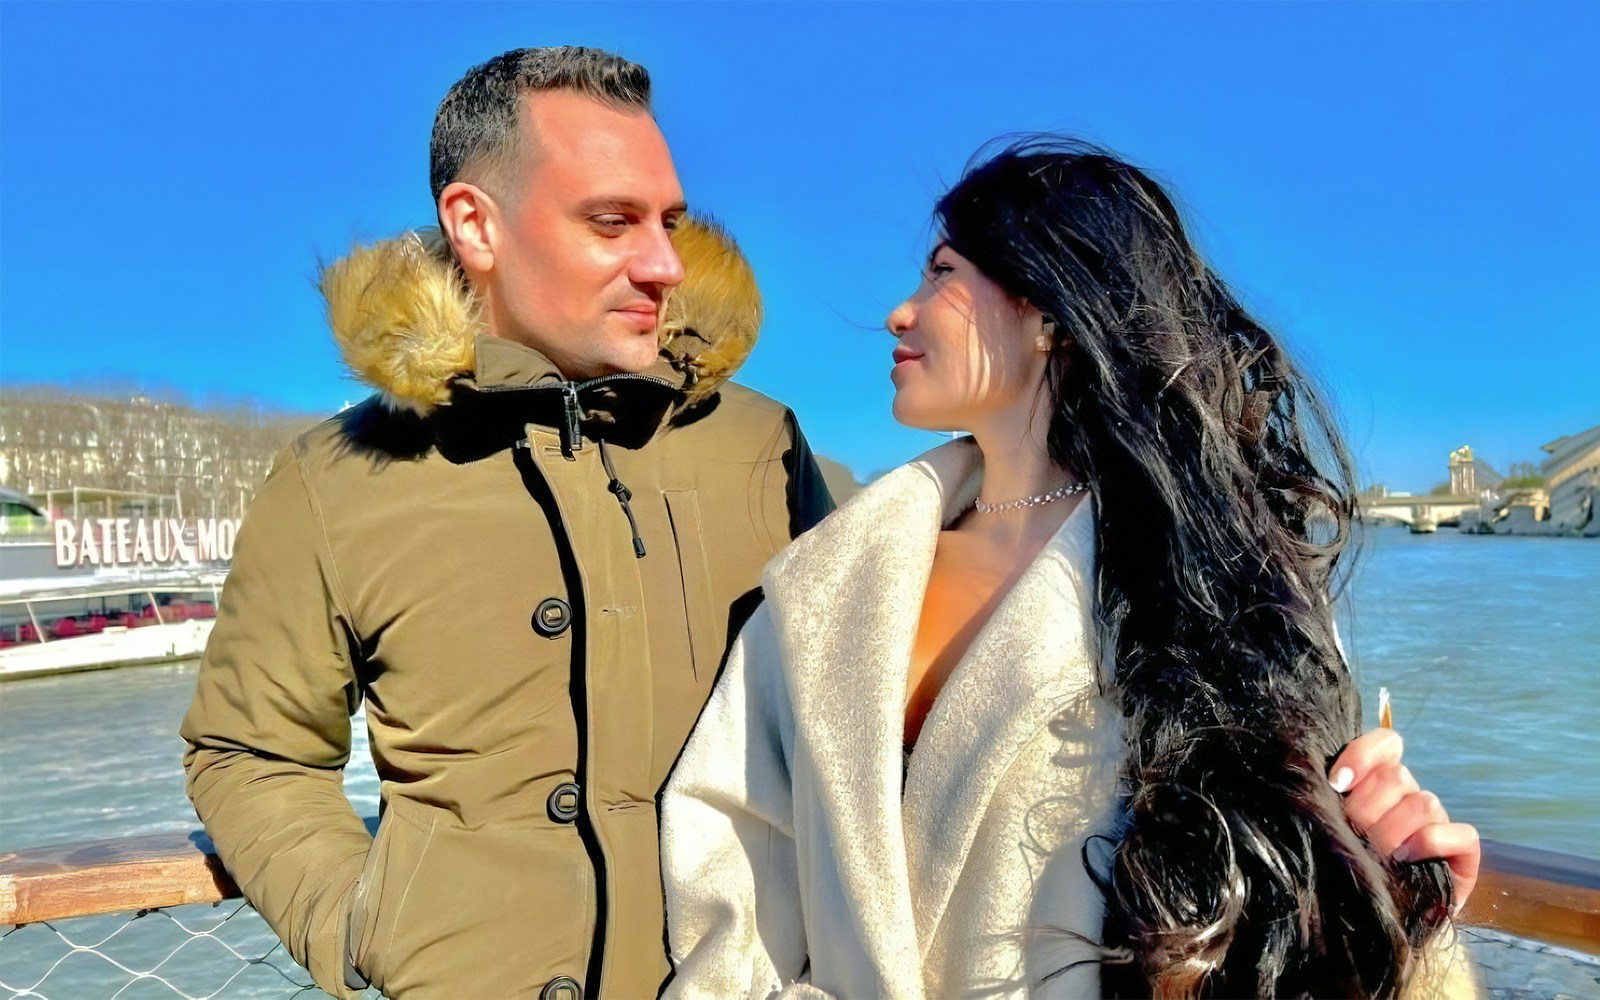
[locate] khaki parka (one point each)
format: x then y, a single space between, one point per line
531 583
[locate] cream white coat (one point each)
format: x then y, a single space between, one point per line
792 861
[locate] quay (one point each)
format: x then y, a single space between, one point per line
1561 501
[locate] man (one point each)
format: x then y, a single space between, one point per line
527 556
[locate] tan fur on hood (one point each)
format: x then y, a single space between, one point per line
712 319
405 319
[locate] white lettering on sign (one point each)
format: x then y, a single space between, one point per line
66 543
141 543
124 543
207 538
182 551
162 540
127 541
88 545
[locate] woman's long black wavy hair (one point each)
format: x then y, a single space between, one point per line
1224 501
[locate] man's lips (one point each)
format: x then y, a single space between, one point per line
643 313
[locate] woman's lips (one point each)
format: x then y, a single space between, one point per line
901 359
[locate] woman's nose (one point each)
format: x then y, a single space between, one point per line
901 318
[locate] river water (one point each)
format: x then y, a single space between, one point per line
1490 647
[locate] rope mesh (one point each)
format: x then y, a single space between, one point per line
227 950
222 949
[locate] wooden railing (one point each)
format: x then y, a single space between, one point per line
111 876
1538 894
1522 891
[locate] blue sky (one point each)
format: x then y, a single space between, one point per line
1406 193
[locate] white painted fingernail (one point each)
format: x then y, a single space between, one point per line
1401 854
1455 908
1342 780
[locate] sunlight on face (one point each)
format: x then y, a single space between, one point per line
965 355
584 260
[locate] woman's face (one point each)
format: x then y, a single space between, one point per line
968 354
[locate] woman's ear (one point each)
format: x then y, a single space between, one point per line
1047 331
468 218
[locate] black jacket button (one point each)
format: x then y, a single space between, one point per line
561 988
552 617
563 803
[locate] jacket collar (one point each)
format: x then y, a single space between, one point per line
512 386
846 598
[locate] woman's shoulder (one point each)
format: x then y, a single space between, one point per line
904 505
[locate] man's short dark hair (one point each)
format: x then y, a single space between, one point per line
477 126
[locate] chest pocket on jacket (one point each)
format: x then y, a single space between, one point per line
688 535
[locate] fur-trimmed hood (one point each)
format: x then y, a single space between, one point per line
408 325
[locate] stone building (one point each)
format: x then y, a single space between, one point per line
1572 479
1469 476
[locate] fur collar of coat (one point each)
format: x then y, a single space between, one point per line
845 602
407 323
968 881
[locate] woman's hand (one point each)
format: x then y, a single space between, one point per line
1401 821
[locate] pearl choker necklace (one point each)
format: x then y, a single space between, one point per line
1043 498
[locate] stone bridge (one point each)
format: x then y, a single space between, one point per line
1407 509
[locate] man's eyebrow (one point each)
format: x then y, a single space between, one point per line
622 203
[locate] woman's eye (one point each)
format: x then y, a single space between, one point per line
937 271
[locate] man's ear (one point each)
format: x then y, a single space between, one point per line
470 220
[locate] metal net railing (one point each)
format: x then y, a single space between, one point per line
225 950
196 952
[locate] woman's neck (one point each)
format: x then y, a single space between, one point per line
1017 464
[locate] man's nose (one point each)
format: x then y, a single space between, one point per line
657 262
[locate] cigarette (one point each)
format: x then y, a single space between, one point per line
1385 715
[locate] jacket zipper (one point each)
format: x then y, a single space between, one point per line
572 427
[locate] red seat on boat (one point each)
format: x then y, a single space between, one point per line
65 628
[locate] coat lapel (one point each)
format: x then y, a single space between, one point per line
846 598
1029 661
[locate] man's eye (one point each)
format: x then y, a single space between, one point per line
671 222
616 222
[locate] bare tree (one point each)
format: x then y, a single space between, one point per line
211 458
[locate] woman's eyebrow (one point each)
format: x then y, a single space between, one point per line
941 245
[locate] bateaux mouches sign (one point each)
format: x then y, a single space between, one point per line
142 541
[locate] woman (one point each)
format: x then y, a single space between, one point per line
1053 709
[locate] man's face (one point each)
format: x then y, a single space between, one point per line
584 261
